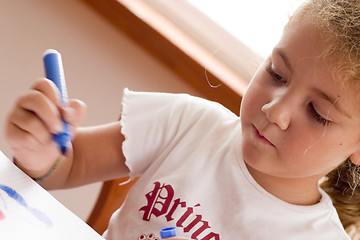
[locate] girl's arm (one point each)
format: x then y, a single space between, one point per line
96 156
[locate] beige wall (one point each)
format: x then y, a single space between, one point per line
98 61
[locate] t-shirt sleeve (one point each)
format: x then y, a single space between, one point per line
154 122
149 121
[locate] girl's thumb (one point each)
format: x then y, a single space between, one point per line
74 112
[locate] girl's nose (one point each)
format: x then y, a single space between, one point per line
277 112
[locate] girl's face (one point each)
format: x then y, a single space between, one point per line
297 121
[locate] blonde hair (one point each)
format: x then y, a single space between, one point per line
338 21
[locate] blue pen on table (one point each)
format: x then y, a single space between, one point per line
54 71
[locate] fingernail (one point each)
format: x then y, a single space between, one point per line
68 112
58 128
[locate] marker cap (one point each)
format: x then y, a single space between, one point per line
168 232
54 71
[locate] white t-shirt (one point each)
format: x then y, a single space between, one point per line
187 152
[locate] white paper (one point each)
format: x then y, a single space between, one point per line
27 211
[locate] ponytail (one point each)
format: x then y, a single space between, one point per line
342 185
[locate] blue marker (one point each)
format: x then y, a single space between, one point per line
54 71
168 232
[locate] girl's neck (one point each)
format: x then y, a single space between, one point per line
298 191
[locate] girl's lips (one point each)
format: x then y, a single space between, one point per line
261 137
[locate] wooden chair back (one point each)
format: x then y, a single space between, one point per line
111 197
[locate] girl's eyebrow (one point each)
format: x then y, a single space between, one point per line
334 101
283 56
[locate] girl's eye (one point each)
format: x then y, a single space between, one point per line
275 76
317 116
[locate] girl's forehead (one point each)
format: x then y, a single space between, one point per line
301 46
305 32
335 35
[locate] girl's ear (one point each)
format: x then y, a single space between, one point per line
355 157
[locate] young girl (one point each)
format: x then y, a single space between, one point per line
210 173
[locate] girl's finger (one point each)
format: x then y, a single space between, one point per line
27 122
74 112
18 138
49 89
43 108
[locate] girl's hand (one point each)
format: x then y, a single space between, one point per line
32 121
